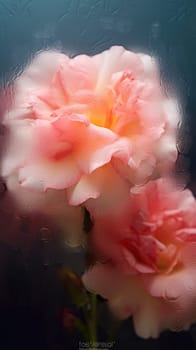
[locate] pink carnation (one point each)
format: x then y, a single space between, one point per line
149 255
81 123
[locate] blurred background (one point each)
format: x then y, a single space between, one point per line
30 294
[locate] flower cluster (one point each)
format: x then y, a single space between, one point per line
100 132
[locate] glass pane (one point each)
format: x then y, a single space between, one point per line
32 246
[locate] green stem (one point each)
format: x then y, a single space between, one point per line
93 319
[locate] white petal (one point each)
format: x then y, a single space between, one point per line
43 175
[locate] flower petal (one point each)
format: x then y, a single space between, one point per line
126 298
104 185
44 175
114 60
78 74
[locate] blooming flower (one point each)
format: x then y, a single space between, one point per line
90 125
149 257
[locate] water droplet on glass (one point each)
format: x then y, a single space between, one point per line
2 130
171 296
183 138
45 238
45 234
155 30
3 188
178 327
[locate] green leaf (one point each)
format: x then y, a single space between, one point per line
82 328
74 286
71 323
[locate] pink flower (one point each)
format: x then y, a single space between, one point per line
79 123
148 256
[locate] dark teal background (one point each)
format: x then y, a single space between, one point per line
164 28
